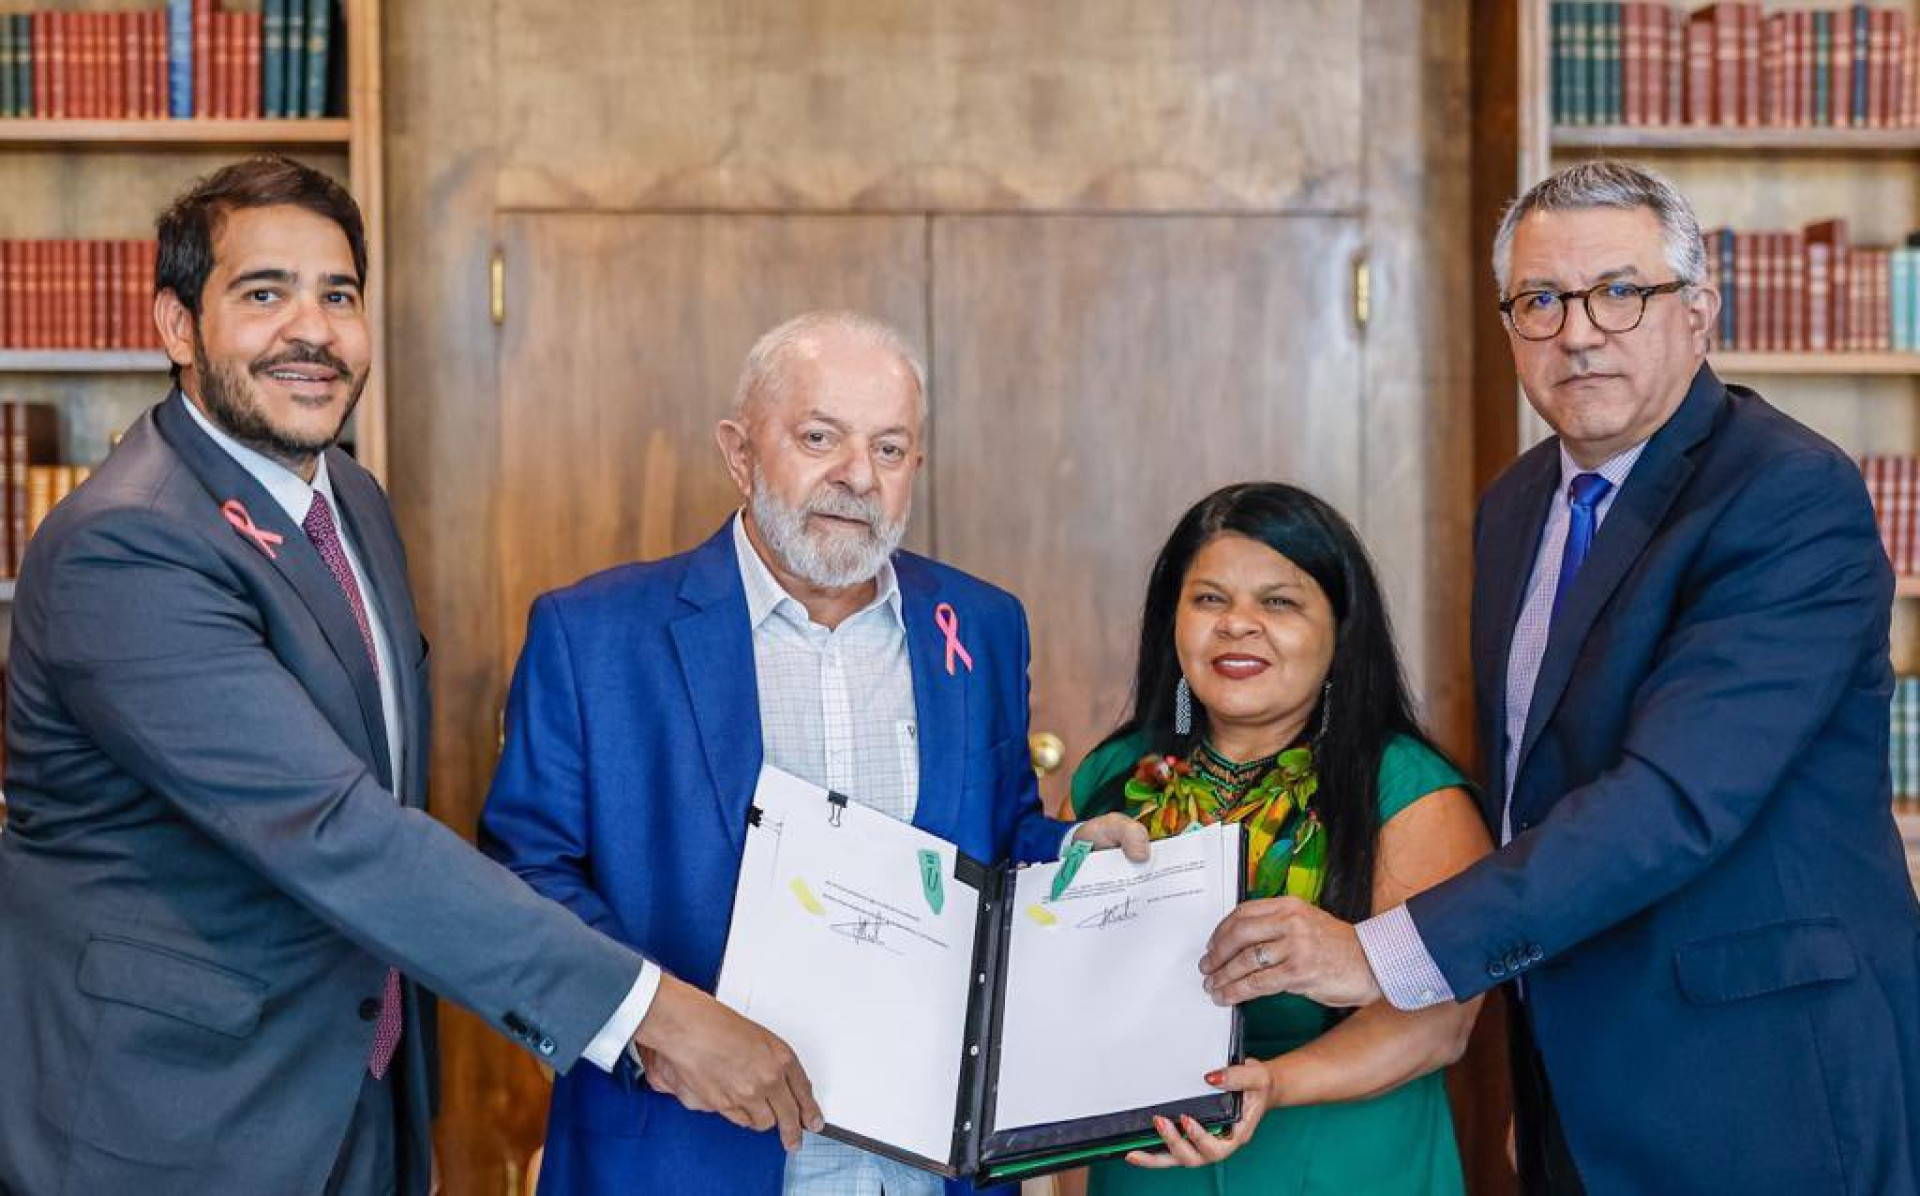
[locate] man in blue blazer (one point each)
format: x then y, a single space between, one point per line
648 696
1680 626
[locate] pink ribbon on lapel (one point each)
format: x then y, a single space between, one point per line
950 627
264 539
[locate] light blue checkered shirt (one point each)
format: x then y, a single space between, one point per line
836 708
1400 961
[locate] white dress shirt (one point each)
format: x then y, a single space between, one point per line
836 708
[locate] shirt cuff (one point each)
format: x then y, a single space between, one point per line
1400 961
614 1037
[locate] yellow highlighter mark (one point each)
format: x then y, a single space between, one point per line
1042 916
807 900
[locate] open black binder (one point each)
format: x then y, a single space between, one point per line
978 1149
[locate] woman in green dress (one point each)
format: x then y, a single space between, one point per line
1268 693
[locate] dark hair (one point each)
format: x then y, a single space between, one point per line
187 228
1368 701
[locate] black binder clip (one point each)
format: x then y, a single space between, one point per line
837 806
753 815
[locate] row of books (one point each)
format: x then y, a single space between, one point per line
73 294
1733 65
29 438
188 60
1812 291
1893 484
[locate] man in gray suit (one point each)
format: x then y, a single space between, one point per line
221 899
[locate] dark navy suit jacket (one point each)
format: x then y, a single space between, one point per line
1707 893
633 746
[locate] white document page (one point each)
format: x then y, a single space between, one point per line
836 947
1104 1010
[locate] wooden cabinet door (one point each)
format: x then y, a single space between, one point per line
1094 376
624 338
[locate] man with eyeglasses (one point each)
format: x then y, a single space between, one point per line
1680 634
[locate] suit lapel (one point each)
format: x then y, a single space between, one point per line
294 558
1512 535
714 644
939 700
1649 492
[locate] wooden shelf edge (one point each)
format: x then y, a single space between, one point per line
1890 364
174 133
83 361
1674 139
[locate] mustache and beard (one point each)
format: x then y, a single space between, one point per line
228 393
834 557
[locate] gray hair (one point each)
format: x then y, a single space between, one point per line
764 377
1609 184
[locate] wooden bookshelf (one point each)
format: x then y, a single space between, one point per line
110 178
1663 139
1897 365
83 361
170 134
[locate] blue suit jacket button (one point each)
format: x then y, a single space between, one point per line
546 1046
1496 969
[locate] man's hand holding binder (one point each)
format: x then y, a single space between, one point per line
712 1060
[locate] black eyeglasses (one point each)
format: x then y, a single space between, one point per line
1612 306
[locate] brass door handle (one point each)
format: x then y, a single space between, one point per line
1046 752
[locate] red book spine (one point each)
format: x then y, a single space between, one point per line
1798 66
68 291
79 273
1654 35
1630 71
1840 93
57 64
39 294
255 36
26 259
113 296
96 66
1770 291
112 67
157 46
1883 298
237 64
104 294
127 37
1750 64
1898 102
78 57
1700 52
150 256
1726 65
1773 67
6 295
203 58
1744 290
1880 101
142 72
1676 65
1796 292
131 298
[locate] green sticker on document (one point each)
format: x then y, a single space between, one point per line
933 880
1069 864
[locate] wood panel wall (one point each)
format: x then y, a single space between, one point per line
1168 137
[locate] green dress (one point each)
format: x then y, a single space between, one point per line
1400 1142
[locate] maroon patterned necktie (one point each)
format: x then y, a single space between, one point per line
320 529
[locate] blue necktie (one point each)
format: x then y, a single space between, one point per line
1583 503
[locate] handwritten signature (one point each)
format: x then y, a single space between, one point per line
863 930
1113 915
